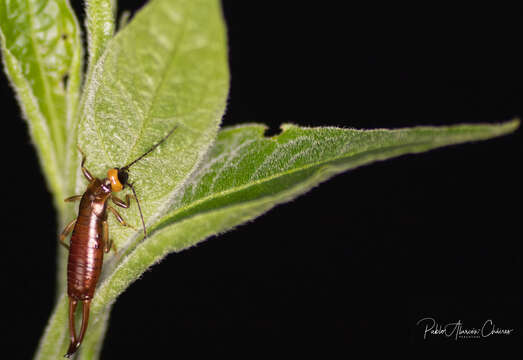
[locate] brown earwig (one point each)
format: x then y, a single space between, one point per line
90 238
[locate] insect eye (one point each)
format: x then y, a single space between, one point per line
123 176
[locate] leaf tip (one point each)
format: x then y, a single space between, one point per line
510 125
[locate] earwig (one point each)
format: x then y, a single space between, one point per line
90 238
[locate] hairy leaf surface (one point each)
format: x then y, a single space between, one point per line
100 27
42 52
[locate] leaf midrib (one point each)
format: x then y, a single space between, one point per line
165 221
172 55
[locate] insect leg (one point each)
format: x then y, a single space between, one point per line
119 217
86 172
108 244
119 202
68 228
73 198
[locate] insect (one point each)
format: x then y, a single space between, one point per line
90 238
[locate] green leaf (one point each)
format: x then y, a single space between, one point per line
100 27
42 54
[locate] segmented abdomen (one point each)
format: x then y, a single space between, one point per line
85 255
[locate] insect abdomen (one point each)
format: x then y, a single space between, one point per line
85 255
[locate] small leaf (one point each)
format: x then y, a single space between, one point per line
124 19
100 27
42 54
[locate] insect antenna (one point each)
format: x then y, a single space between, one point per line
151 149
139 209
123 175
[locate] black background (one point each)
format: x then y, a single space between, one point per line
354 264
